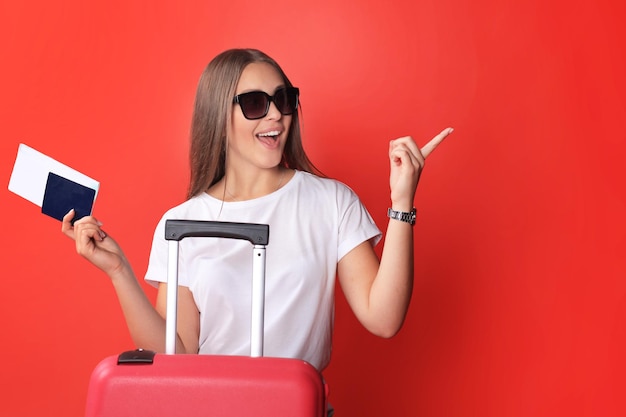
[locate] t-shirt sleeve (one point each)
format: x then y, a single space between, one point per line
355 223
157 263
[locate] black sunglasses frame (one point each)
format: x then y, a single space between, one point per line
286 109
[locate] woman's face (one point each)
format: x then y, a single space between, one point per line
257 143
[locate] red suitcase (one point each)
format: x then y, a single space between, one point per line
141 383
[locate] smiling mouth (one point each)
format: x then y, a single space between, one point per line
270 135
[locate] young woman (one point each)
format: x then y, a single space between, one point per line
248 165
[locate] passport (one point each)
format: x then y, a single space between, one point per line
61 195
51 185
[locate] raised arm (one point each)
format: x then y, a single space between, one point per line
379 293
145 323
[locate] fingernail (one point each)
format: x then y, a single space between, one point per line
102 234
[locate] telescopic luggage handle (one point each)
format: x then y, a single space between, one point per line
257 234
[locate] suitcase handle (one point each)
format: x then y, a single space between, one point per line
257 234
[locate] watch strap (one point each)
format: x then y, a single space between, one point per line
403 216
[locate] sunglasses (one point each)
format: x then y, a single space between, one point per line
256 104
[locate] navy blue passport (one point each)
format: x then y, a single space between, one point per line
62 195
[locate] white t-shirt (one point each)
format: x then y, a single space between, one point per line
313 222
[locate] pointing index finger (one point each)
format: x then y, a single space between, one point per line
434 142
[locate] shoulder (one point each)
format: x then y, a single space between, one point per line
324 194
314 182
195 208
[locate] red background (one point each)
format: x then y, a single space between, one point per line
519 305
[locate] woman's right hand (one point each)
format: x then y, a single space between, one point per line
94 244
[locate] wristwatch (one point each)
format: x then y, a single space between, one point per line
403 216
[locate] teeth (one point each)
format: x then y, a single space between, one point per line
272 133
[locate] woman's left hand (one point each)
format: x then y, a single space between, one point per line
407 162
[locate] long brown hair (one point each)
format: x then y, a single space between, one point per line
213 110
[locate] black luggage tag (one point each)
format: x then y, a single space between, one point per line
62 195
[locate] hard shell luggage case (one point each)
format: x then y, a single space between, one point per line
143 384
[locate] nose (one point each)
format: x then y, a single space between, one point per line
273 113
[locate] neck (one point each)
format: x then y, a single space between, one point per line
238 187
